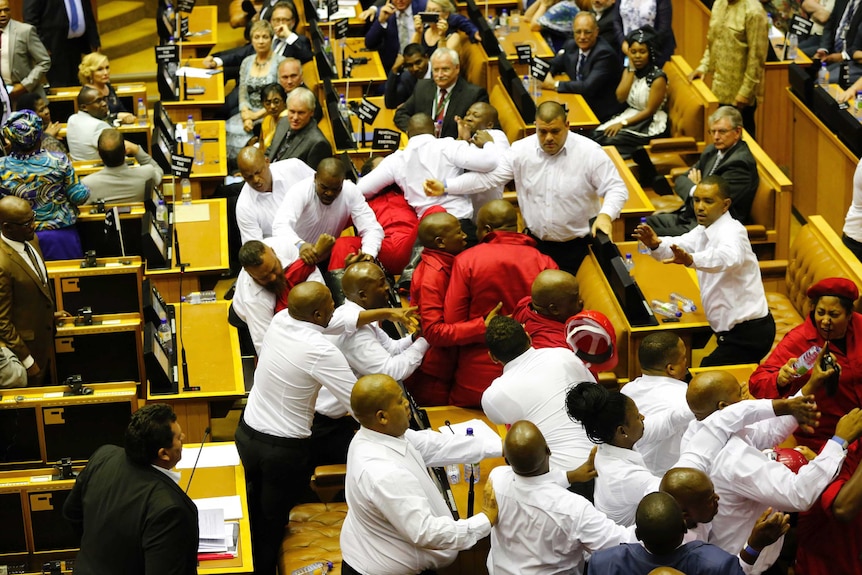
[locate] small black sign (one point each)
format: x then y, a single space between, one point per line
181 166
332 7
385 139
802 26
341 28
184 27
367 111
185 5
539 69
167 53
525 53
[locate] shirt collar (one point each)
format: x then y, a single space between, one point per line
628 455
174 475
714 231
513 364
301 324
14 244
396 444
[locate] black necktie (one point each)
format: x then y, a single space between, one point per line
285 144
37 267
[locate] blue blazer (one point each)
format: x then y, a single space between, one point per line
602 70
385 40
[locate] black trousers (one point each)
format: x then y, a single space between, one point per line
348 570
853 246
568 255
277 473
747 342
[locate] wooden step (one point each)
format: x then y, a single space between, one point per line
138 37
116 14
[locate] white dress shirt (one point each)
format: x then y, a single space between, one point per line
303 217
544 529
748 482
295 362
533 387
624 478
82 135
427 157
256 210
495 193
558 194
397 521
853 220
253 303
727 270
661 400
370 350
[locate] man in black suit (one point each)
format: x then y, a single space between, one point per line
127 504
68 30
610 24
729 157
393 29
297 135
842 36
445 96
593 66
409 68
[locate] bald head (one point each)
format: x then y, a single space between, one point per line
556 295
710 391
695 493
378 404
665 571
659 521
311 302
481 116
496 215
526 450
550 111
16 219
438 230
250 155
361 283
419 124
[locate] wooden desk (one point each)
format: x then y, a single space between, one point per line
212 351
203 245
538 44
199 104
637 206
203 32
64 101
385 119
136 133
362 75
225 481
206 177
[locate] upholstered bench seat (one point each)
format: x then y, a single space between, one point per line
313 535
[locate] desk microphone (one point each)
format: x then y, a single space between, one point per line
185 364
198 458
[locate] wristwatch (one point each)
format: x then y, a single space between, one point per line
624 123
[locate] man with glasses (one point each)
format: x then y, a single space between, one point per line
85 126
593 66
727 156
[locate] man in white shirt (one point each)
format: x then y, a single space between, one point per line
533 387
561 179
746 480
483 116
265 187
542 528
273 436
370 349
84 127
660 394
427 157
728 273
324 204
397 521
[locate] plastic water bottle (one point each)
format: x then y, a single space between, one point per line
471 469
186 188
318 568
769 23
199 150
170 14
327 46
823 76
806 361
629 263
527 84
343 110
162 216
792 46
166 337
190 130
196 297
665 309
504 21
684 303
453 472
858 103
642 247
142 113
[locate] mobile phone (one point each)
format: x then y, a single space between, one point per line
430 17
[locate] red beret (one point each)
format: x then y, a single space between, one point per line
840 287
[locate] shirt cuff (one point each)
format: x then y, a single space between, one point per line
479 525
421 344
219 62
28 362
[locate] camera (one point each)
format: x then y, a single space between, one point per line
827 361
84 316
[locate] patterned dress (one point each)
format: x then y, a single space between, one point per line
249 97
637 135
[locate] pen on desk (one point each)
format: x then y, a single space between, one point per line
449 426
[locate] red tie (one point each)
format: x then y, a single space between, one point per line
441 105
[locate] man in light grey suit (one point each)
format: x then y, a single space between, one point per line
26 60
117 181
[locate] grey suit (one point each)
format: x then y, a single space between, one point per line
123 183
29 60
308 144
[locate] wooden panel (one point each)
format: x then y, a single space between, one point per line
690 25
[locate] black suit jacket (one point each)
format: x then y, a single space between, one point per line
853 40
133 519
309 144
52 24
300 49
611 26
385 40
464 95
739 170
398 88
601 71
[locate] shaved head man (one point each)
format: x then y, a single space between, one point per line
496 215
442 231
693 490
555 297
397 520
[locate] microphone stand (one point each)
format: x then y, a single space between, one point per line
198 458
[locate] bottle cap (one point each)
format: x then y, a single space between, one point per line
469 431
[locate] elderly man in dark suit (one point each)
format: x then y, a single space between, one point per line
443 97
68 30
393 29
129 507
27 313
729 157
593 66
297 135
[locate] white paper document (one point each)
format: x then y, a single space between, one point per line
212 456
230 505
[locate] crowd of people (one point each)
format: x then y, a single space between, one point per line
669 470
